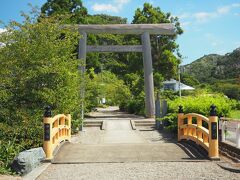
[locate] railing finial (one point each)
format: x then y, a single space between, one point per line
48 112
213 111
180 109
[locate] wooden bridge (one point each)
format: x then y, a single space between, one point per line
120 151
191 127
122 139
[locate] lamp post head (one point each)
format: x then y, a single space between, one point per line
213 110
48 112
180 109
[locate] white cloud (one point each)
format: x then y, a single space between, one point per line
226 9
204 16
184 15
122 1
186 24
223 10
236 5
213 40
201 17
2 30
151 2
114 7
105 7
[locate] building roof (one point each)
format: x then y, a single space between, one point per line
182 86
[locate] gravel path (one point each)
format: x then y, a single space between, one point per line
138 171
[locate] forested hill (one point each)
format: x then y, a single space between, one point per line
214 67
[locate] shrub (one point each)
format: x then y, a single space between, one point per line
107 85
39 68
169 94
200 105
230 90
136 105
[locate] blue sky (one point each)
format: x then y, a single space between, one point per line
209 26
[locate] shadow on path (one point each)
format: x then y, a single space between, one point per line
119 143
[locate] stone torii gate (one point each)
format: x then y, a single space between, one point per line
141 29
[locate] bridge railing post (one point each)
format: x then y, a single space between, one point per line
223 129
47 144
213 134
69 125
180 121
238 135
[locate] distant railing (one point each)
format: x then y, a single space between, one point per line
232 125
200 129
57 129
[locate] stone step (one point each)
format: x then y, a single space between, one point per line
92 125
144 124
92 122
144 121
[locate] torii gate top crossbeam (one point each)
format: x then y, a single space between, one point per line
164 28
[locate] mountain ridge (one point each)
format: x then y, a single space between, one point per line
213 67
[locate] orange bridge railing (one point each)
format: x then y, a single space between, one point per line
200 129
57 129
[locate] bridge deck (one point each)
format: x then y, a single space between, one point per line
141 152
138 151
119 143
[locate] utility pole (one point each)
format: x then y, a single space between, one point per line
157 39
82 56
179 81
179 76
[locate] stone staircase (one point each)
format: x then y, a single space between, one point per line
94 123
142 123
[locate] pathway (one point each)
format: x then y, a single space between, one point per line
119 152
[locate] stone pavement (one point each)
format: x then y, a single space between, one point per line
117 143
141 152
118 152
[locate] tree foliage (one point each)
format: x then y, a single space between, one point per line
211 68
189 80
39 68
231 90
200 104
164 53
105 85
164 47
74 7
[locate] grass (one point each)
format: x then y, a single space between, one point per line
235 114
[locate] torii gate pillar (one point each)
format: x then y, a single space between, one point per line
141 29
82 53
148 76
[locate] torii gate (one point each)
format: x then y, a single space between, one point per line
142 29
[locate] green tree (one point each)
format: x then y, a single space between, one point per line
74 7
39 68
230 90
164 47
189 80
105 85
46 77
